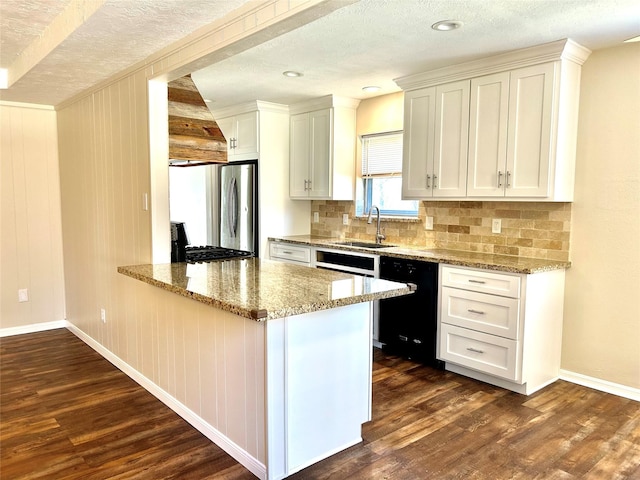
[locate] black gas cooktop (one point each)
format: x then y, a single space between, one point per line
208 253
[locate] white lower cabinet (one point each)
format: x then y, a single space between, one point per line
285 252
501 328
488 353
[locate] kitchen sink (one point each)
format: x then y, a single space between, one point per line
365 244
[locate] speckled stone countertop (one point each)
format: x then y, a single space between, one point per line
502 263
264 289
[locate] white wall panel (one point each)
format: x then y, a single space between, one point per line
30 223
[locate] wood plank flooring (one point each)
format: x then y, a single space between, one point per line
66 413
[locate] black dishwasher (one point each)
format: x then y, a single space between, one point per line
408 324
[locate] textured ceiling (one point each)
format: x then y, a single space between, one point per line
85 47
55 49
374 41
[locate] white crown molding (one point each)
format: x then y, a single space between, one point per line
35 106
327 101
252 106
565 49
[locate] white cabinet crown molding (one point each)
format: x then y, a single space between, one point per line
565 49
252 106
328 101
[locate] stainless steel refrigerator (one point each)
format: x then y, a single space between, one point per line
238 206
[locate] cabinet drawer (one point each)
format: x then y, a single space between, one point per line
481 281
486 353
482 312
284 251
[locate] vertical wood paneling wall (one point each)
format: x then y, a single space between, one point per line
30 225
203 358
207 361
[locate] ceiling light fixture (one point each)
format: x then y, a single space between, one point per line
446 25
632 39
371 88
291 73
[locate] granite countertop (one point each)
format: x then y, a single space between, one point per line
502 263
264 289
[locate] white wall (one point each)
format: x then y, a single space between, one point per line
30 224
602 297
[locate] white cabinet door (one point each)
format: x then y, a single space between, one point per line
418 141
322 148
488 135
482 352
226 125
320 127
451 139
241 133
246 134
299 152
529 140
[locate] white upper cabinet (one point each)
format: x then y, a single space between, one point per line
488 135
510 133
310 155
241 132
529 152
435 141
322 149
451 140
418 140
521 126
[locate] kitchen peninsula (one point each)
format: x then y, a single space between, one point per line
284 356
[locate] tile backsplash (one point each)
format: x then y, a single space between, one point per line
529 229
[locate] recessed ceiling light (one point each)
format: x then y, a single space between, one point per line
208 100
291 73
371 88
446 25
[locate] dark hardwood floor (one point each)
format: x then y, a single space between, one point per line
66 413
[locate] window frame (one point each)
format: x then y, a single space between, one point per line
368 180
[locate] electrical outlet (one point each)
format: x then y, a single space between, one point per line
23 295
428 223
496 225
103 315
316 217
345 219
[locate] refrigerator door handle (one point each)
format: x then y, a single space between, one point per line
232 211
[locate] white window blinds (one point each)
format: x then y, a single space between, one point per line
382 154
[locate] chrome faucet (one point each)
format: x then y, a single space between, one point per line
379 236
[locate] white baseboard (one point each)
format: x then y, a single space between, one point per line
33 328
239 454
602 385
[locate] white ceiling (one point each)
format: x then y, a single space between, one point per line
364 43
59 48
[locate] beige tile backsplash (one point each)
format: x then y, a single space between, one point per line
529 229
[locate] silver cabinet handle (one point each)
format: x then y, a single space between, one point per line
499 179
481 282
435 184
306 185
470 310
428 181
508 176
475 350
403 338
287 252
